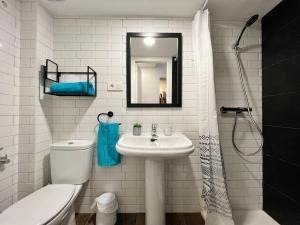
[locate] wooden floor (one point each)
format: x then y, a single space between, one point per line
139 219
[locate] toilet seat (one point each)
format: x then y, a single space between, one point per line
40 207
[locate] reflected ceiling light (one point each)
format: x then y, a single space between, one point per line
1 45
149 41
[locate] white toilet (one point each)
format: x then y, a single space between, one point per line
71 163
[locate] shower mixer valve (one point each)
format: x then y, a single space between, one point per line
224 109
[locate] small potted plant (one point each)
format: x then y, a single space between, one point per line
137 129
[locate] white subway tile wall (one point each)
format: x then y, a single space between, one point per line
9 100
43 103
32 121
27 98
101 43
244 175
35 108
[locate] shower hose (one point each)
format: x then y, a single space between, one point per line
250 117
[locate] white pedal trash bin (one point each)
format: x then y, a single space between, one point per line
106 211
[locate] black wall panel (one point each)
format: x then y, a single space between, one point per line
281 112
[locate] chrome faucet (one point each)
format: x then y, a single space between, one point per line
154 132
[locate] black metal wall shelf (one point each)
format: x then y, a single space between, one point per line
91 78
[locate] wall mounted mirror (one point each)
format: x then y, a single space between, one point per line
154 69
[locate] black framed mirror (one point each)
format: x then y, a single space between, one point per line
154 69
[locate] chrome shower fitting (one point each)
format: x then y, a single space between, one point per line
248 109
249 22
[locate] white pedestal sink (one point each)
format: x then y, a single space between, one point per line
165 147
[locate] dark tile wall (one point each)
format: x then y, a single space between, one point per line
281 112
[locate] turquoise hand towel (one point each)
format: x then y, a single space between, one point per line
108 136
73 87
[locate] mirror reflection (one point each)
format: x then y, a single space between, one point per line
154 70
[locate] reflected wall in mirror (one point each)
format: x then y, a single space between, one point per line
154 69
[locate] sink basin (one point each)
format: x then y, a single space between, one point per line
176 145
165 147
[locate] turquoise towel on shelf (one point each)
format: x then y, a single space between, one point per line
74 87
108 136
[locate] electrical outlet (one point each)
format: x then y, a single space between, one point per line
114 86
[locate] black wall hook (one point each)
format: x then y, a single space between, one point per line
109 114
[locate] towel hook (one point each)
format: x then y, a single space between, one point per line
109 114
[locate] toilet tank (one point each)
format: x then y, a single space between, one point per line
71 161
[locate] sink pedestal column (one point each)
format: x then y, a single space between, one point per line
155 191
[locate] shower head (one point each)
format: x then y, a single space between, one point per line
249 22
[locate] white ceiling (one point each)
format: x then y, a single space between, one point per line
151 8
237 10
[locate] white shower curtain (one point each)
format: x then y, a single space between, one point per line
218 210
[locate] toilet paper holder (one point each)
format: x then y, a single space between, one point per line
4 159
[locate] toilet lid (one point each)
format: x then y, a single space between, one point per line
72 145
39 207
